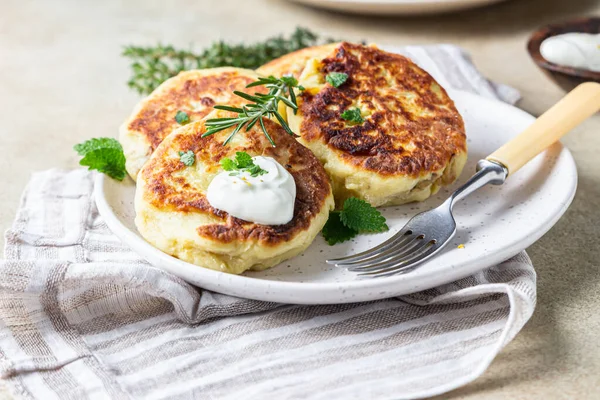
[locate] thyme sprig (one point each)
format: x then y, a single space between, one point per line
261 106
152 65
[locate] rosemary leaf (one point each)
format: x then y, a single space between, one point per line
260 106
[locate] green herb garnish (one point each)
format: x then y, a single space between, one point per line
260 106
336 79
352 115
256 170
182 117
357 216
104 155
151 66
362 217
228 164
335 231
187 157
242 162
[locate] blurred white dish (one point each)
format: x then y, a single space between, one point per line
397 7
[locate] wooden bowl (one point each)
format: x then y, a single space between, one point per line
566 77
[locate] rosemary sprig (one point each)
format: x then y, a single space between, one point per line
261 105
153 65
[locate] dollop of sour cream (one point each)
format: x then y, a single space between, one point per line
577 50
266 199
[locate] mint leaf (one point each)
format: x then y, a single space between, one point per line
362 217
256 170
187 157
182 117
357 216
228 164
335 231
104 155
243 160
97 143
108 161
336 79
352 115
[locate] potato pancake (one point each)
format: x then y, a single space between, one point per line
173 213
389 134
293 63
194 92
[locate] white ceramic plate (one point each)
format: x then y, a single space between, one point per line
396 7
494 224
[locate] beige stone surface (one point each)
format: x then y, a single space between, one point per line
62 81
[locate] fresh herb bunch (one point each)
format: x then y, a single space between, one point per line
260 106
104 155
153 65
357 216
242 162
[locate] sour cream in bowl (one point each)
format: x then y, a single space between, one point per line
574 49
568 52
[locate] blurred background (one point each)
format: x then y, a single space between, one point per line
63 80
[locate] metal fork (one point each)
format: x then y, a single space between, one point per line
427 233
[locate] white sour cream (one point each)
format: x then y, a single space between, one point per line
265 199
577 50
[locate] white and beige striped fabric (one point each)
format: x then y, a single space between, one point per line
83 317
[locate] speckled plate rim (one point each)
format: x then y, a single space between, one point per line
349 291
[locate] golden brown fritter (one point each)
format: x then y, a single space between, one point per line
293 63
194 92
412 139
174 215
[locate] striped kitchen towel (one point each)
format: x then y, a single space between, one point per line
83 317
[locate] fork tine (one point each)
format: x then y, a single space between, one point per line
394 259
398 237
393 254
403 266
406 242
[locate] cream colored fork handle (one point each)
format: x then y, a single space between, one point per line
570 111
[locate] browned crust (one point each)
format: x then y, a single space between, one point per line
166 191
293 63
194 92
394 139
